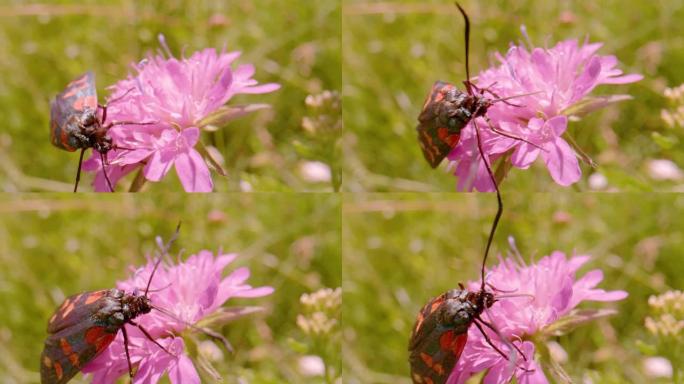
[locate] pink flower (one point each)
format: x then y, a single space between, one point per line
556 82
173 96
556 291
190 291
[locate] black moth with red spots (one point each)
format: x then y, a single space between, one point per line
441 329
75 124
83 326
86 323
445 113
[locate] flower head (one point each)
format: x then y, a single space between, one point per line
556 291
549 85
189 291
171 97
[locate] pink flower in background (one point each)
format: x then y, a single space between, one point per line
172 96
190 290
557 81
556 290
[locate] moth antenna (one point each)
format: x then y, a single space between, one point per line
467 46
499 210
513 295
159 259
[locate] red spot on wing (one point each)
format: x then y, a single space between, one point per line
66 308
450 139
87 101
99 337
58 370
64 139
452 342
74 360
93 297
66 347
75 86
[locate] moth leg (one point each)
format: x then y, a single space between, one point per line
128 123
78 171
104 107
104 171
477 322
104 112
510 136
488 340
147 334
128 356
216 336
493 329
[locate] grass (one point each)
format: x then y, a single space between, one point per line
402 249
393 51
43 46
52 246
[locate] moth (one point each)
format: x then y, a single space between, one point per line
440 332
87 323
75 123
448 110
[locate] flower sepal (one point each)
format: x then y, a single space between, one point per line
223 316
592 103
550 365
574 319
225 114
206 154
193 346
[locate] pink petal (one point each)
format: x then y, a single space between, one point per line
524 155
255 292
631 78
158 166
191 136
193 172
264 88
562 163
559 124
238 276
184 372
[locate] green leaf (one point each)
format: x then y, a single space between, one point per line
576 318
646 349
664 142
223 115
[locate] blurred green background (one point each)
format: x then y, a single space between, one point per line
393 51
402 249
52 246
46 44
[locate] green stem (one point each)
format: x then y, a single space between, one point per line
138 182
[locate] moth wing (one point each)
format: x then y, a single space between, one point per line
434 348
435 138
79 95
434 148
76 309
68 350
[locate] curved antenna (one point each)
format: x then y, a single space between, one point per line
467 46
164 251
499 210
